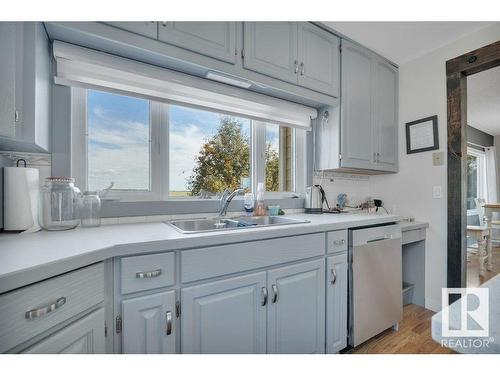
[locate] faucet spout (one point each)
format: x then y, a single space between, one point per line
226 199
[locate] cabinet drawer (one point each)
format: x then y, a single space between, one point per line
215 261
147 272
414 235
29 311
336 241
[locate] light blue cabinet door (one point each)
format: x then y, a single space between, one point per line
296 310
319 57
7 78
270 48
146 28
336 303
85 336
149 324
225 317
385 116
356 107
213 39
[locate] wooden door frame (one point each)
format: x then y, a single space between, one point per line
457 70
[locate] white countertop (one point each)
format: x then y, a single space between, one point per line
28 258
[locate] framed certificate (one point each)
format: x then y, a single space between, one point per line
422 135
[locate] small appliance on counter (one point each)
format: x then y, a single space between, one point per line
315 197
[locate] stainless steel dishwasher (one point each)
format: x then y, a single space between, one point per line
375 281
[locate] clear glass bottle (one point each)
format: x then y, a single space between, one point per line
260 205
60 204
90 209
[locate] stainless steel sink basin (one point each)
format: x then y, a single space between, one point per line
243 222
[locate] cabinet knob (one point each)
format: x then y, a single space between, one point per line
296 66
264 296
334 276
302 69
275 293
164 23
168 327
339 242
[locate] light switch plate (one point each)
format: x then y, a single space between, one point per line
438 158
437 192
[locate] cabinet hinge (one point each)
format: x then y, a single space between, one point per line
105 329
340 47
177 309
242 53
236 52
118 324
16 116
340 156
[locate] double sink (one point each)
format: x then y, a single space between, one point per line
235 223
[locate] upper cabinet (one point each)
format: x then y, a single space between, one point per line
213 39
25 92
367 125
299 53
146 28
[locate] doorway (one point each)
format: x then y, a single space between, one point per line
463 191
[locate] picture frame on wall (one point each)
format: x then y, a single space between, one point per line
422 135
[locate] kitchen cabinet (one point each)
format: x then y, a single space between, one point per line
8 78
213 39
146 28
85 336
225 317
296 310
25 96
299 53
148 324
336 303
367 125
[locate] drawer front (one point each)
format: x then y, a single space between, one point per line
336 242
216 261
414 235
29 311
146 272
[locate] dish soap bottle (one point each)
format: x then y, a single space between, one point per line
260 206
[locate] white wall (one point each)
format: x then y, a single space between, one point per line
422 93
357 187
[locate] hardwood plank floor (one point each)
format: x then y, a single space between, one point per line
413 336
473 278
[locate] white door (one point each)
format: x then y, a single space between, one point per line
7 78
319 59
146 28
85 336
270 48
356 107
385 117
149 324
336 303
296 310
225 317
214 39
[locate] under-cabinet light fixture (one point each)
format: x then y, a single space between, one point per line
230 80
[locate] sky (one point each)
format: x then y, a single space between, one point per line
118 141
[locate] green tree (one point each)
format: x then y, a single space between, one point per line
272 169
223 160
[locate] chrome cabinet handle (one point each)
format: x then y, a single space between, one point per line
148 274
339 242
275 293
302 69
168 327
264 296
296 66
164 23
334 276
36 313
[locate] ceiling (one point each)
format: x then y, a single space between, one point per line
401 42
483 101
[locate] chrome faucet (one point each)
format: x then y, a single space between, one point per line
226 198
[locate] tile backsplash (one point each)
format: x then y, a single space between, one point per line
357 187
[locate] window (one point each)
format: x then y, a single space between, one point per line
476 177
158 151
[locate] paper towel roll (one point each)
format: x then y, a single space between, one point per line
21 194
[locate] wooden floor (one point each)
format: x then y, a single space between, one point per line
473 278
413 336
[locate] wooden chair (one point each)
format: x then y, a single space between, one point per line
481 233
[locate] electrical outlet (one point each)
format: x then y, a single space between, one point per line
437 192
438 158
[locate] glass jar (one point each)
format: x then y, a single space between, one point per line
90 209
60 202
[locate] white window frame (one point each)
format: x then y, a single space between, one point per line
481 175
159 154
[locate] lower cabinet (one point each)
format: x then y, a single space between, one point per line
85 336
148 324
296 311
226 317
336 303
